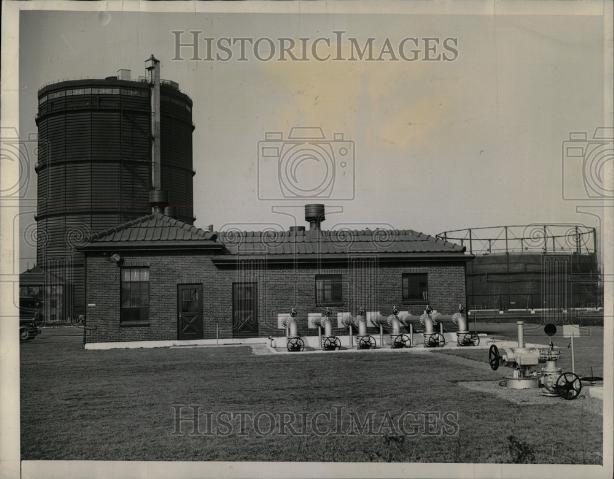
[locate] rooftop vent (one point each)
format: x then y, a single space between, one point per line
314 214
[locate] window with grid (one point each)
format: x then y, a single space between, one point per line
415 287
329 291
134 294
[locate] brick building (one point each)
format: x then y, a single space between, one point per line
157 278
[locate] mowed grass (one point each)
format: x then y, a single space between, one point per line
117 405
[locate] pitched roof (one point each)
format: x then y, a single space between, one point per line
36 276
154 230
335 242
158 231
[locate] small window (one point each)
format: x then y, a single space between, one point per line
134 294
415 287
329 291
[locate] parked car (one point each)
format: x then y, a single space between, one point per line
28 329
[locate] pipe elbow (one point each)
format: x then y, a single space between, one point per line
292 327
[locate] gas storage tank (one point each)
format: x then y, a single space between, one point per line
94 163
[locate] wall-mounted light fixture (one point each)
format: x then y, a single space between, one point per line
116 258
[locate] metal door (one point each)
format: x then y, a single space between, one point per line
244 310
189 311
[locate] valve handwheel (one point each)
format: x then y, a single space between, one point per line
434 340
366 342
494 357
295 344
331 343
568 386
402 341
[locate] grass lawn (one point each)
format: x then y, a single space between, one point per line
117 405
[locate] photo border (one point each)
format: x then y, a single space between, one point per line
11 466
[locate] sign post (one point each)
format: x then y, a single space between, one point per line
571 331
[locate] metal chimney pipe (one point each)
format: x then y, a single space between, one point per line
157 197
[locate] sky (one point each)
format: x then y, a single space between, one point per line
438 145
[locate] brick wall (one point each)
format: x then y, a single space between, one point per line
366 283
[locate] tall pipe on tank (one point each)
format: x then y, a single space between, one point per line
520 325
157 197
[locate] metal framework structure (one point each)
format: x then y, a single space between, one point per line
531 238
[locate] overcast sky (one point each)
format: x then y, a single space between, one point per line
438 145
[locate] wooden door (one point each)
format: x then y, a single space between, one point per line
189 311
244 310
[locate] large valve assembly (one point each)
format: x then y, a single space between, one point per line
432 338
464 337
399 324
397 339
329 342
524 359
365 341
294 341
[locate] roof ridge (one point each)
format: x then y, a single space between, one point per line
120 227
151 222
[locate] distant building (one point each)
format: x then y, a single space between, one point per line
158 278
535 266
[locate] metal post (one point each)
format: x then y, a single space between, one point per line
470 242
506 245
351 337
520 325
573 357
154 69
545 239
411 333
217 333
381 335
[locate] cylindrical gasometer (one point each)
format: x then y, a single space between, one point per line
94 165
